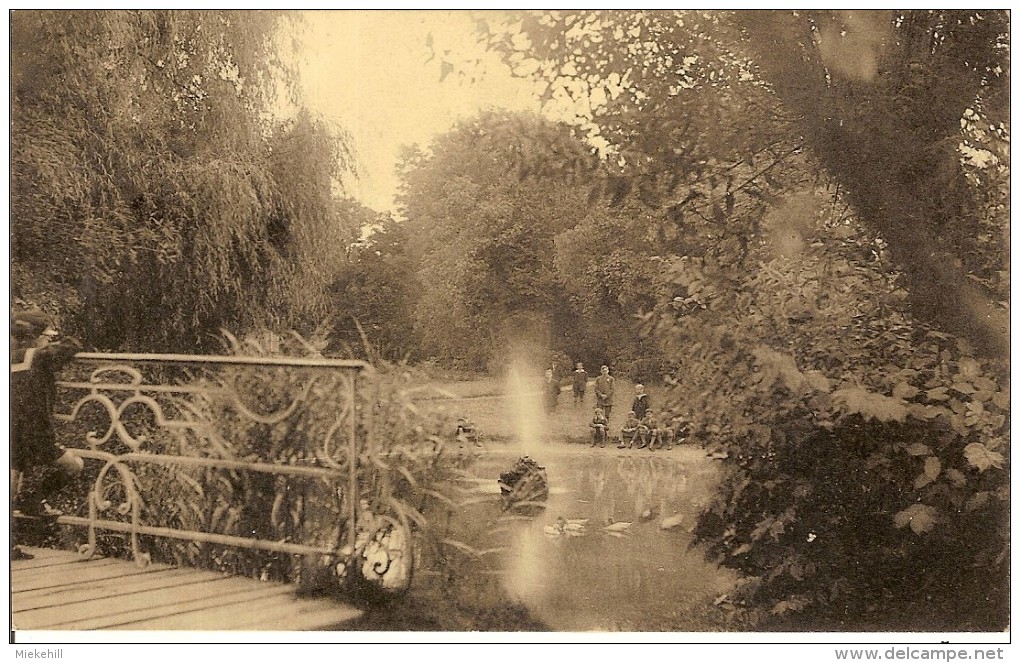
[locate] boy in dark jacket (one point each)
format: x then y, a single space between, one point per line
35 361
641 402
605 386
580 383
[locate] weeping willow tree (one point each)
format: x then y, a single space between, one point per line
156 193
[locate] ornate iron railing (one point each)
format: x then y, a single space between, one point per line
191 420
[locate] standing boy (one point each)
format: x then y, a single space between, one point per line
551 390
35 360
605 385
641 402
580 378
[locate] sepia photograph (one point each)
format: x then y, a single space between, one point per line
517 325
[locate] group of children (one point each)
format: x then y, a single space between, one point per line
647 431
641 427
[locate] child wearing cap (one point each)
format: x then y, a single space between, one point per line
580 383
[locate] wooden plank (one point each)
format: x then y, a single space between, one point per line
57 557
196 595
41 598
189 614
82 573
82 616
48 561
58 564
218 616
69 593
42 553
298 615
318 621
126 607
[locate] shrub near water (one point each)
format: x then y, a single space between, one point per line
867 480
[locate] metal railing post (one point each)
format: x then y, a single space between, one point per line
352 462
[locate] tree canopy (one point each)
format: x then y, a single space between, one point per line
884 99
887 103
155 191
482 240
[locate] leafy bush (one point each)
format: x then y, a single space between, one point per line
867 454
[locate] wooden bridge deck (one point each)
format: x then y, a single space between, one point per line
57 590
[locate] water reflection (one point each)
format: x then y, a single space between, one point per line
629 566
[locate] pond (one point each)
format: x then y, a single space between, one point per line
612 550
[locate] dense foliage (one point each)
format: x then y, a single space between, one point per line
156 197
373 295
281 417
512 259
483 241
868 453
797 219
877 99
881 99
855 387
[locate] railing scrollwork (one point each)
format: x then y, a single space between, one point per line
209 434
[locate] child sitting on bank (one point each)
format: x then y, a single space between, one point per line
645 427
667 431
629 431
466 431
655 432
680 428
599 428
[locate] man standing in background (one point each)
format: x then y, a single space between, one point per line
604 387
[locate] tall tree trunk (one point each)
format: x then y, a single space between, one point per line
880 105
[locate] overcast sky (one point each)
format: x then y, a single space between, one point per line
367 70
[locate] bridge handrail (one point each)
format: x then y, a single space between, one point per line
341 469
225 360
